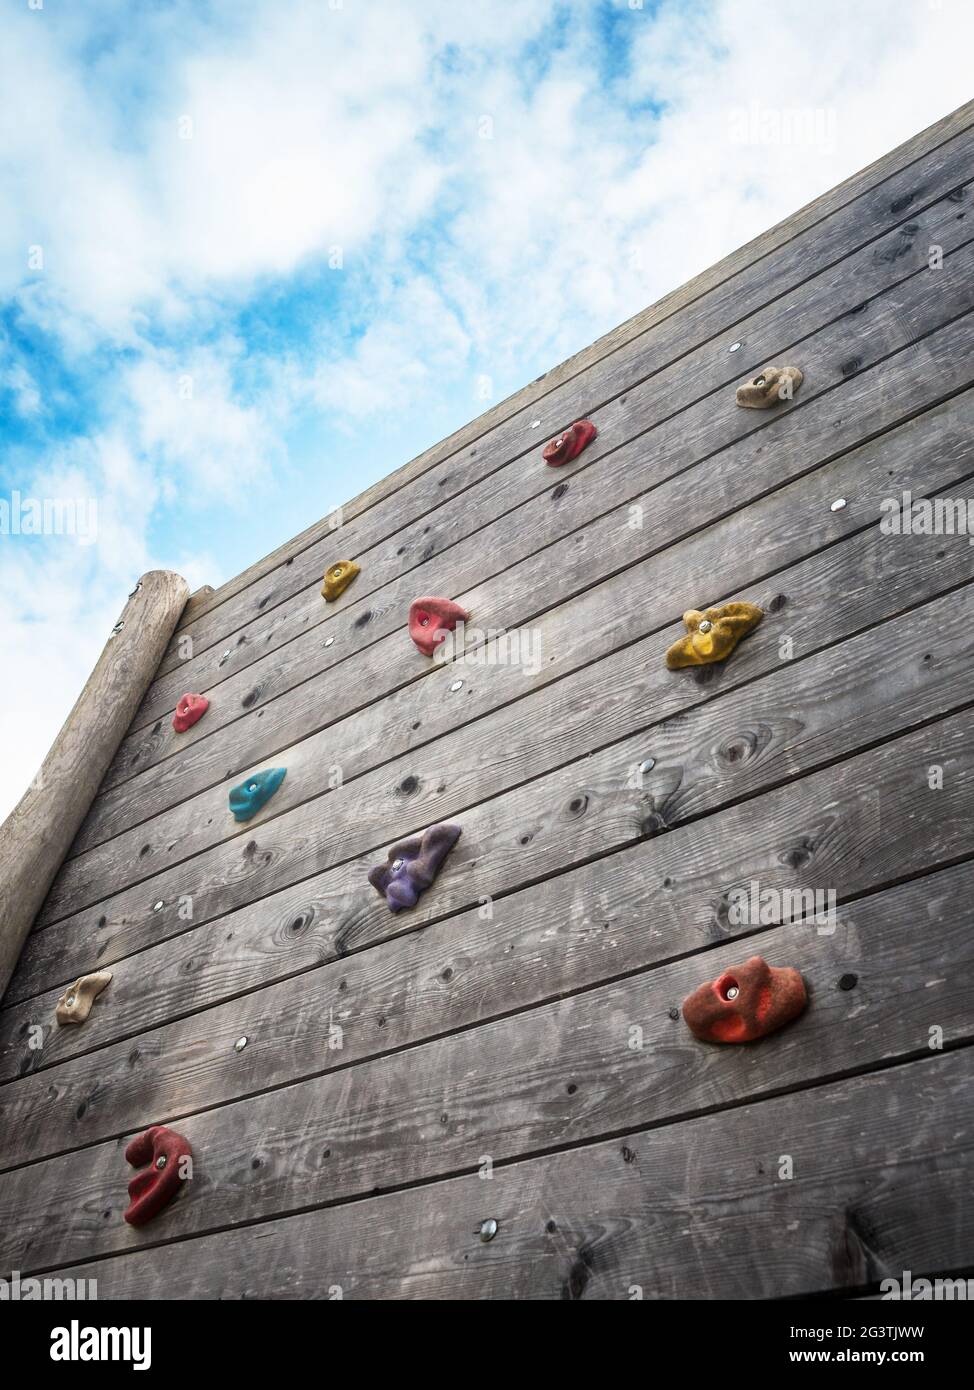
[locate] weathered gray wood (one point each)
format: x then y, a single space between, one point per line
495 966
561 1074
621 356
591 710
129 922
327 688
622 406
694 1210
837 592
36 835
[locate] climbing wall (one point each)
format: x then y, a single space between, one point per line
401 923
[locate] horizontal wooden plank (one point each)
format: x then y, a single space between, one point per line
838 592
445 778
705 310
561 573
802 716
558 1075
425 552
880 683
694 1210
130 923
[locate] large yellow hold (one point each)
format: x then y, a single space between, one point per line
713 634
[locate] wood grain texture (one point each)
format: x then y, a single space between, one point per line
36 835
900 182
699 487
624 405
563 1074
882 1165
837 592
854 589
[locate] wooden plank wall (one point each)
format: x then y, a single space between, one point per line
512 1048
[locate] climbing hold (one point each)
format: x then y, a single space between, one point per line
744 1004
154 1187
569 444
413 865
771 385
337 578
713 634
75 1003
430 619
247 799
188 711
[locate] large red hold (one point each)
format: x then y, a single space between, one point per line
170 1159
569 444
189 709
747 1003
430 619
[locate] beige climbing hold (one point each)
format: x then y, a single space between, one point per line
75 1003
770 386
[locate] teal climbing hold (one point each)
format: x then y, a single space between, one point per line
247 799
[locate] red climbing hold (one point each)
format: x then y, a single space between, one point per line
744 1004
570 443
430 619
170 1160
189 709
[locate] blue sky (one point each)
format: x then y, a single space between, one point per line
254 256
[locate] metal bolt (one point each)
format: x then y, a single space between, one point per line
157 907
161 1162
241 1043
328 641
488 1229
647 764
118 627
706 625
759 381
396 865
837 505
733 992
535 424
252 787
457 685
70 1001
735 347
337 572
134 591
424 620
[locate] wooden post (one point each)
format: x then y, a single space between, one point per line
38 833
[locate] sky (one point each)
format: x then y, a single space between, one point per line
257 254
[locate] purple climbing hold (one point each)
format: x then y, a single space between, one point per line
247 799
413 865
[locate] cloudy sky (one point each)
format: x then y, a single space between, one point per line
255 255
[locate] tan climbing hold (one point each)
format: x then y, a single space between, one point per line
337 578
75 1003
713 634
770 386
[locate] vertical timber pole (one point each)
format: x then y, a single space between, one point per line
38 833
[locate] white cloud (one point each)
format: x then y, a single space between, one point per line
466 258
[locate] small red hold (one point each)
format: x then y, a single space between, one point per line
430 619
744 1004
569 444
170 1161
189 709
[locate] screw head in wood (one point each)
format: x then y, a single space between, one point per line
457 685
241 1043
735 347
647 764
224 657
117 628
535 424
488 1229
328 641
837 505
157 907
